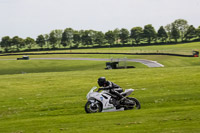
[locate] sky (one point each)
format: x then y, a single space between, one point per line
30 18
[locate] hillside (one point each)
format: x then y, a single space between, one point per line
41 96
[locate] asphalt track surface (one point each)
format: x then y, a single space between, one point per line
148 63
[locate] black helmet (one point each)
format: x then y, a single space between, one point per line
101 81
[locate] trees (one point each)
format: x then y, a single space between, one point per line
190 33
6 43
40 40
29 42
182 26
18 42
177 29
116 35
55 38
67 37
198 32
52 39
162 34
99 38
76 38
124 35
86 37
168 29
149 33
136 34
46 37
64 39
110 37
58 35
175 33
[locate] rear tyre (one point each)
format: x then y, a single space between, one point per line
136 104
93 107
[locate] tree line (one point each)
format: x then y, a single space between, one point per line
177 31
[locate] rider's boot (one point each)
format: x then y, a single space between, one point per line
124 100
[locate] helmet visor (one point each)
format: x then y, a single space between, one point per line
101 83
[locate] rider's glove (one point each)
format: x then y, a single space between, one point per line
100 89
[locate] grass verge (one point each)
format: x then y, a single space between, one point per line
54 102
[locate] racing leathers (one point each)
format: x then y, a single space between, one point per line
113 89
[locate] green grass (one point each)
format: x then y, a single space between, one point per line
185 48
44 102
42 96
167 61
41 66
61 65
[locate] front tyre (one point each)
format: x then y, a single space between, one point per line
136 104
93 107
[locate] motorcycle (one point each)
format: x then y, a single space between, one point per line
105 102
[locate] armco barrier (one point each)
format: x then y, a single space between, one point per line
98 53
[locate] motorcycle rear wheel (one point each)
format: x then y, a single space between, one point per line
96 107
135 106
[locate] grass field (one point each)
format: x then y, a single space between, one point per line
41 66
185 48
42 96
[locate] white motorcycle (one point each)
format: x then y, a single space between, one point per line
105 102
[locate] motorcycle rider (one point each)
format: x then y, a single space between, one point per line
112 87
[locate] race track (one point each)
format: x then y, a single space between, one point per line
148 63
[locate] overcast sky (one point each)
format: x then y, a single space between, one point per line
29 18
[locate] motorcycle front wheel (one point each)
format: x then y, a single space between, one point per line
93 107
136 104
